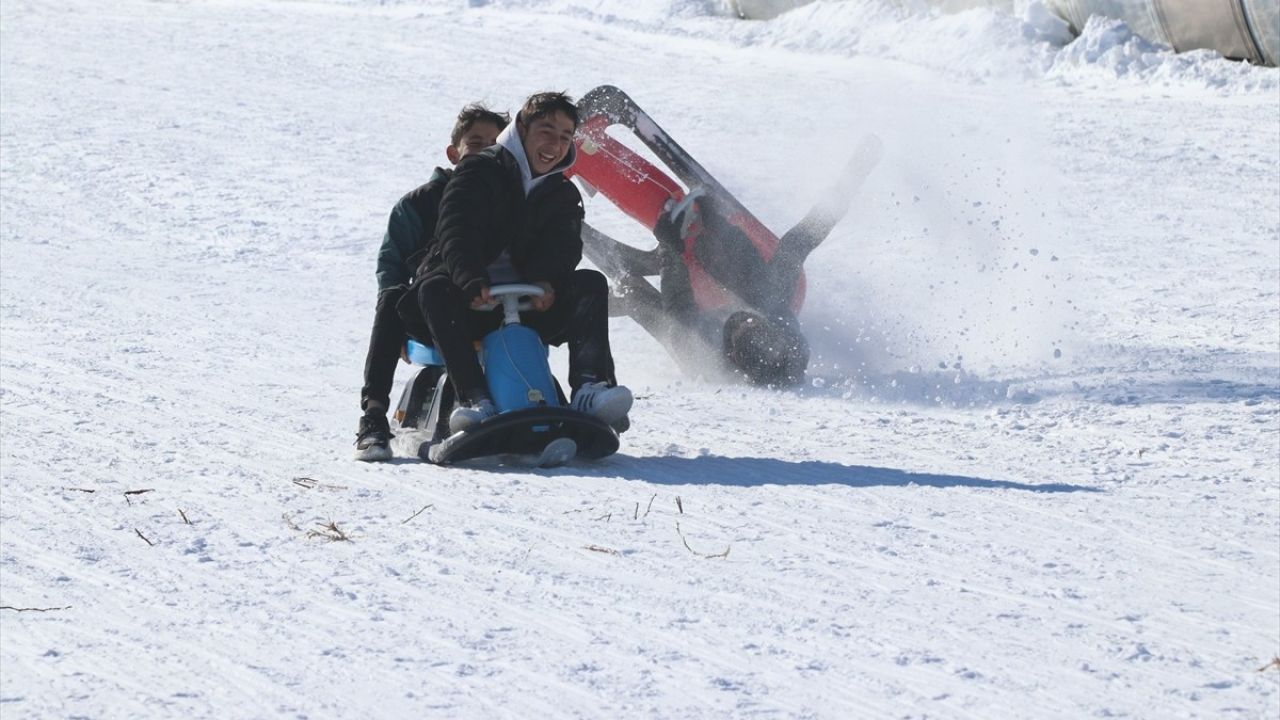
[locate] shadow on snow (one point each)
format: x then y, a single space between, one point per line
754 472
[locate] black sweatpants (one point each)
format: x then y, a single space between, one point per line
385 342
579 316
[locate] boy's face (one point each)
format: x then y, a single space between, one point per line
479 136
546 141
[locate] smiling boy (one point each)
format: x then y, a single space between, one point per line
510 215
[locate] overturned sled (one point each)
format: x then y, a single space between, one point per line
729 284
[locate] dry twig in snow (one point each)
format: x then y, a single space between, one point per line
424 507
309 483
330 532
127 493
724 554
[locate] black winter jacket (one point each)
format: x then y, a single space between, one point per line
484 212
410 231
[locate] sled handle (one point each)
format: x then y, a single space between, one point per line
509 296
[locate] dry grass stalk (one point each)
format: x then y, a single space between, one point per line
184 516
34 609
330 532
1273 665
605 517
424 507
144 537
597 548
289 521
636 516
76 489
646 510
127 493
310 483
680 532
679 505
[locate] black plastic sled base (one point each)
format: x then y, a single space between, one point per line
525 432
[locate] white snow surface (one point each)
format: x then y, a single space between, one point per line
1036 473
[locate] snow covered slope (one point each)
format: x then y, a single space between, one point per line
1037 473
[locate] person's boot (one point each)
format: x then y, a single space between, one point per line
465 417
373 438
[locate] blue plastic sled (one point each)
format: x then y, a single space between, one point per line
533 417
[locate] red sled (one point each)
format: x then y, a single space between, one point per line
642 190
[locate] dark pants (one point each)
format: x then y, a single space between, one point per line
579 316
385 342
726 254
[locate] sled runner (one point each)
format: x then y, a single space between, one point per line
533 418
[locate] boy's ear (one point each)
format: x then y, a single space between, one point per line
451 152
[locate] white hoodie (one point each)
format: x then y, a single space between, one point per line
501 271
509 138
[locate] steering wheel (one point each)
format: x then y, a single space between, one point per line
514 299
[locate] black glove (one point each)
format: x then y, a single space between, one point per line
672 226
472 290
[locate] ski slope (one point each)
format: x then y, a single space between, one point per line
1036 473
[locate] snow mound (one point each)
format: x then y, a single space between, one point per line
1031 43
1109 49
977 44
986 43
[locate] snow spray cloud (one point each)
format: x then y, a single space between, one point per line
948 262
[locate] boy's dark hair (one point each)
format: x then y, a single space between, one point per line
472 114
543 104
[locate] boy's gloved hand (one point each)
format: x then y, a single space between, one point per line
546 300
478 291
674 224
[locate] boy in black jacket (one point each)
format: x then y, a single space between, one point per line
410 232
510 215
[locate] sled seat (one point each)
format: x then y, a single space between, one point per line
421 354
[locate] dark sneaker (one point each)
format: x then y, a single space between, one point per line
373 439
